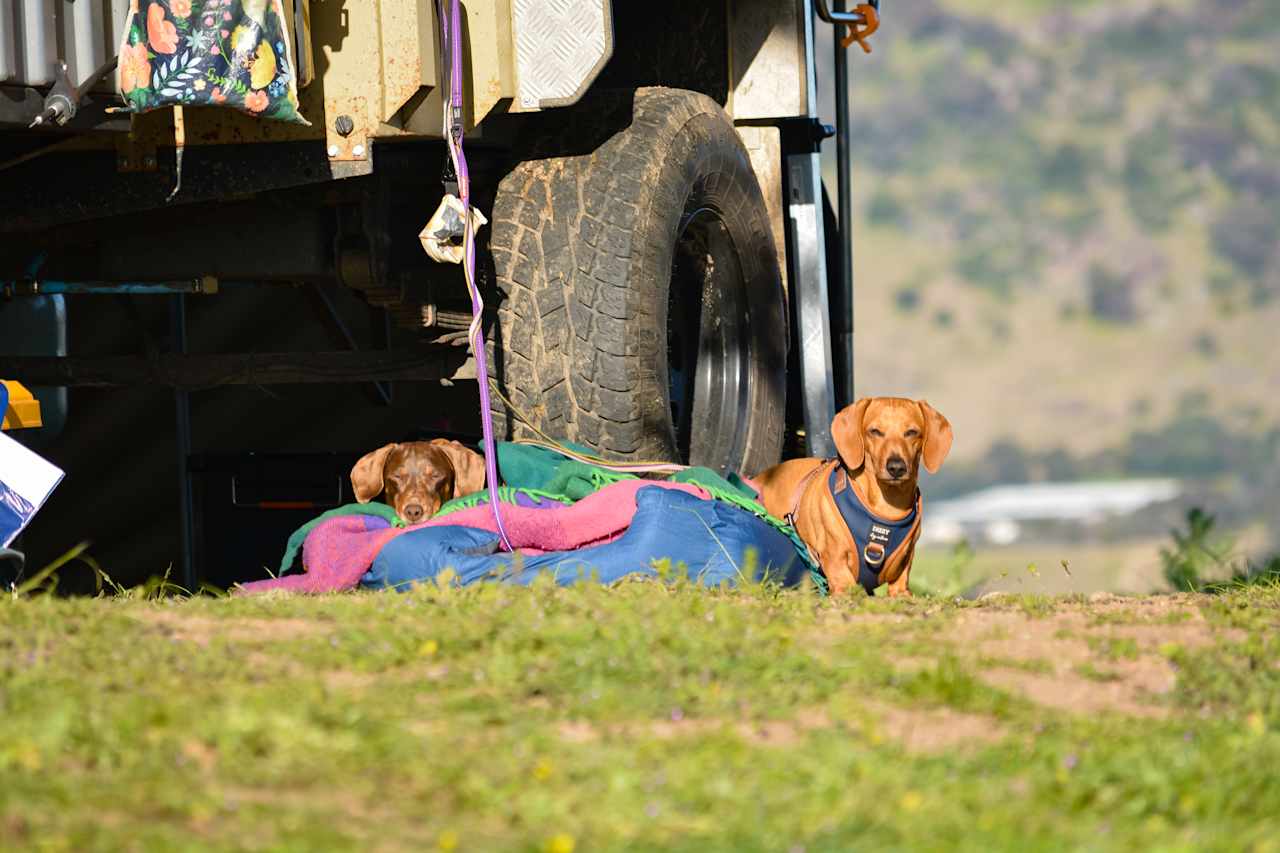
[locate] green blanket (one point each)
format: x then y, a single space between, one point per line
525 466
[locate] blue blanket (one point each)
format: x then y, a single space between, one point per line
709 541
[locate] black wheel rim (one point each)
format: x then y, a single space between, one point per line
708 344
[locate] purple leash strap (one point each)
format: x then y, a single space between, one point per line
453 46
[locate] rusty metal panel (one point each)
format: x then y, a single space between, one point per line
408 29
379 64
767 59
347 128
487 65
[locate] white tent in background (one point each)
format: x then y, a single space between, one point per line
997 513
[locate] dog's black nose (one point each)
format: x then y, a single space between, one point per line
413 513
896 466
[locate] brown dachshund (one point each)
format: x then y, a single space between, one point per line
418 476
860 514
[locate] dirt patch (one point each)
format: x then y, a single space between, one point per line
201 630
1071 692
765 732
917 730
1082 664
837 626
929 730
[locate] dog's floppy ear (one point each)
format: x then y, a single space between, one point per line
937 437
468 466
846 432
366 475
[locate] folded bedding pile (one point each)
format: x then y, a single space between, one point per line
564 518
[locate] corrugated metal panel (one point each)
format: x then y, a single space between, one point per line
8 62
34 34
561 45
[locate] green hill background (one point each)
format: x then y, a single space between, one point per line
1066 236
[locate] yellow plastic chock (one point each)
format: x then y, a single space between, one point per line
24 409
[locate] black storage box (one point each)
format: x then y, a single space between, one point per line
247 505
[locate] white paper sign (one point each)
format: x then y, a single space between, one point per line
26 481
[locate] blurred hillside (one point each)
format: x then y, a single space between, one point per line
1067 233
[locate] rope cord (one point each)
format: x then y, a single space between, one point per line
550 443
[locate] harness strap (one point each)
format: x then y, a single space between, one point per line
790 517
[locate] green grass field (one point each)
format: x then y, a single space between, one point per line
640 717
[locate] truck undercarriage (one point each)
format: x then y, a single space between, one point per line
636 335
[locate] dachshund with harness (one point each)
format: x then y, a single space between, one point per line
859 514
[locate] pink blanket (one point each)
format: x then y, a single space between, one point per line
339 551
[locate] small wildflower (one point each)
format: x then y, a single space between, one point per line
1257 725
1070 761
448 840
911 801
560 843
429 648
542 770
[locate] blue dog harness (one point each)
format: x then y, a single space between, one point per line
876 540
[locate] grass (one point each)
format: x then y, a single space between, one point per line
638 717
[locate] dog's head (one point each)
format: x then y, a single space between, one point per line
418 476
890 436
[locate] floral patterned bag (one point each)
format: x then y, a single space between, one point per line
233 53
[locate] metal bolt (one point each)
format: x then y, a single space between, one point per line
344 125
357 150
333 151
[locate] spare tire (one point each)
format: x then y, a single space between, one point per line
641 310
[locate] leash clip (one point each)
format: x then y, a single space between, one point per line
449 177
876 549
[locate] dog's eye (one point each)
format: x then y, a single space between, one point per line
912 433
877 433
